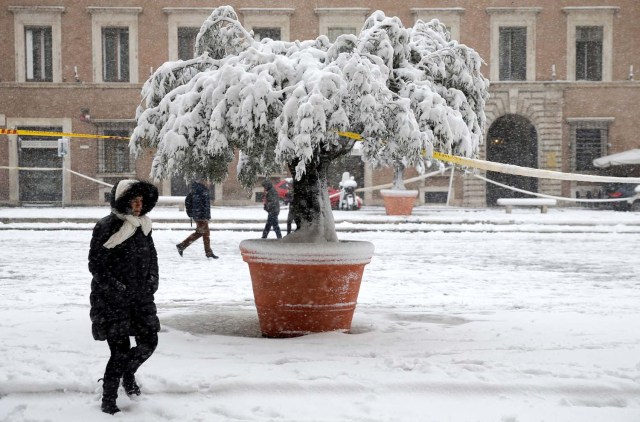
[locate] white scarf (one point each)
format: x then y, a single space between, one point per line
129 227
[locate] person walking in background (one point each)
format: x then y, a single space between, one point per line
124 265
272 207
291 216
198 207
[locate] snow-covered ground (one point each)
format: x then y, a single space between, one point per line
463 315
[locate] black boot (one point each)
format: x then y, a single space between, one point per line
109 395
130 386
180 248
109 406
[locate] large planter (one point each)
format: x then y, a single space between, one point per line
302 288
399 202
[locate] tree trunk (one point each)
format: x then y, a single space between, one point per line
311 205
398 176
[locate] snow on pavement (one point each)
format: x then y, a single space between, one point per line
450 326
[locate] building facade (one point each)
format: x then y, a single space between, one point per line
563 90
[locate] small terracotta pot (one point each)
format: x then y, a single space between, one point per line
399 202
302 288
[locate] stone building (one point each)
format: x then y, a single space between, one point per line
562 87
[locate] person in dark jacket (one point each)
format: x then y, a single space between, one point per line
201 214
124 265
272 207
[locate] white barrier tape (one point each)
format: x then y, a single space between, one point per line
466 162
542 195
32 168
90 178
410 180
530 172
56 169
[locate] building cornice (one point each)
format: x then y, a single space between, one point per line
591 9
36 9
267 10
342 10
187 10
94 10
416 10
513 10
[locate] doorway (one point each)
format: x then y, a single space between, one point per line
511 139
41 152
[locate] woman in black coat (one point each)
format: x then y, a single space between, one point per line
124 265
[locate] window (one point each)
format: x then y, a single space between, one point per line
261 33
114 157
590 43
513 53
187 42
271 23
589 140
335 21
334 32
183 26
114 35
37 43
115 54
588 148
450 16
38 53
589 53
435 197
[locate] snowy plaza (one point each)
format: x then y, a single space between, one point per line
463 315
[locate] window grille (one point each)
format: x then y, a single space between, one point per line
113 154
588 141
436 197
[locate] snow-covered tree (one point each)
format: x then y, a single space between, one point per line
405 90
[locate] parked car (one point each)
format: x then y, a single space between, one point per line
283 187
624 190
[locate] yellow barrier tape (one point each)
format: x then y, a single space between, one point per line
466 162
351 135
57 134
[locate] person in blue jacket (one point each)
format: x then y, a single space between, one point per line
272 207
198 207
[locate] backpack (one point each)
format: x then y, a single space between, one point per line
188 203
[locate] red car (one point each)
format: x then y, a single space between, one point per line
283 188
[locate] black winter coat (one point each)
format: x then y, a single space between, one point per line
201 208
124 281
272 201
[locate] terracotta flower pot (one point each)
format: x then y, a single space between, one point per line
399 202
302 288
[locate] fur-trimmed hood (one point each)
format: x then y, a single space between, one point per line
125 190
